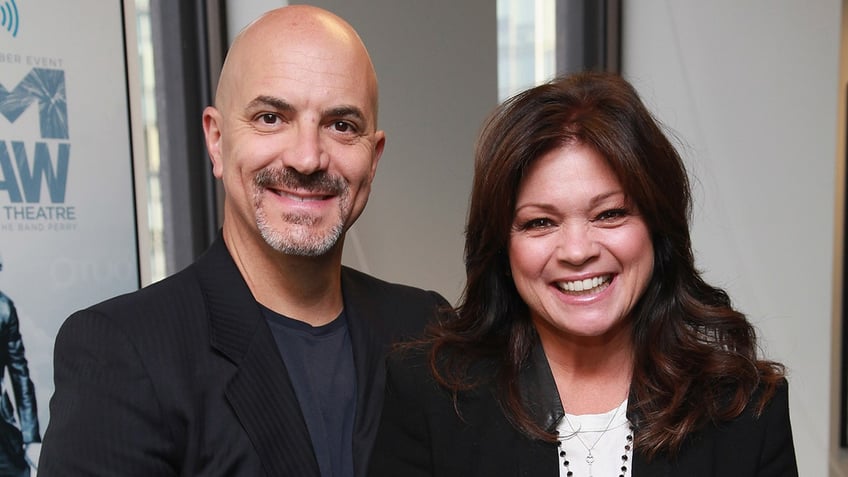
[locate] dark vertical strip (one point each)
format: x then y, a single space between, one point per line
594 34
588 35
843 375
212 38
183 69
218 43
569 36
130 126
612 53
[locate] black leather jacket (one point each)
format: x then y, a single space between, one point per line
12 359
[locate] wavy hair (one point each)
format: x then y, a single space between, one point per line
696 357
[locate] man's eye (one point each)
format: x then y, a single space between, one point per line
269 118
343 127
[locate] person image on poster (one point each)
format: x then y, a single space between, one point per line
19 436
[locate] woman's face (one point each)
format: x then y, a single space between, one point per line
580 254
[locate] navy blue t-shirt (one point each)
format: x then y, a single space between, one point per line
320 364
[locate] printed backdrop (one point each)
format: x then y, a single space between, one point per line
67 213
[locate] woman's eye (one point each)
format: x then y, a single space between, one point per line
536 224
611 214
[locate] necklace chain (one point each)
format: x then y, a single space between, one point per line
590 459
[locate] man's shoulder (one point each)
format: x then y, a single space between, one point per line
168 293
355 280
172 307
393 310
358 286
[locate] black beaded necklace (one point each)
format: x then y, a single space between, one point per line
628 446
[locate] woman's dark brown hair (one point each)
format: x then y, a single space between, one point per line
696 358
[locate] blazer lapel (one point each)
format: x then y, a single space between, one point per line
368 357
260 392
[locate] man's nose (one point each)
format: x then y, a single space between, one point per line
306 155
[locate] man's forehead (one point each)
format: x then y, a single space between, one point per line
304 88
316 60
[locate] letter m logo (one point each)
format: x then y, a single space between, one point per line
47 87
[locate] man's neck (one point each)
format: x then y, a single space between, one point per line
307 289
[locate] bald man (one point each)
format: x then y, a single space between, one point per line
266 356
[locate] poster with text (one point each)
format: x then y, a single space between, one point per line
67 209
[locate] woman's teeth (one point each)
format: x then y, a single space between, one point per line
589 284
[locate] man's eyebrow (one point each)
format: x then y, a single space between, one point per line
345 112
272 102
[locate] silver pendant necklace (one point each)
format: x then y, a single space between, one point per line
590 458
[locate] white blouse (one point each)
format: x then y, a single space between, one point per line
603 436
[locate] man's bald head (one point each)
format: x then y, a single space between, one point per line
302 30
293 134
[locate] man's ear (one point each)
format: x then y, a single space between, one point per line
212 130
379 145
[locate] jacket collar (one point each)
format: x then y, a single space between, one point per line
368 359
539 391
260 391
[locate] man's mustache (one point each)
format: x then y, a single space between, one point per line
319 182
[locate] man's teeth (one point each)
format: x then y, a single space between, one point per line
301 198
584 285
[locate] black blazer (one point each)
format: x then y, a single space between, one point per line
421 434
183 378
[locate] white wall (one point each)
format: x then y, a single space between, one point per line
751 89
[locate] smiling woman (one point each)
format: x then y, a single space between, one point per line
586 342
579 253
